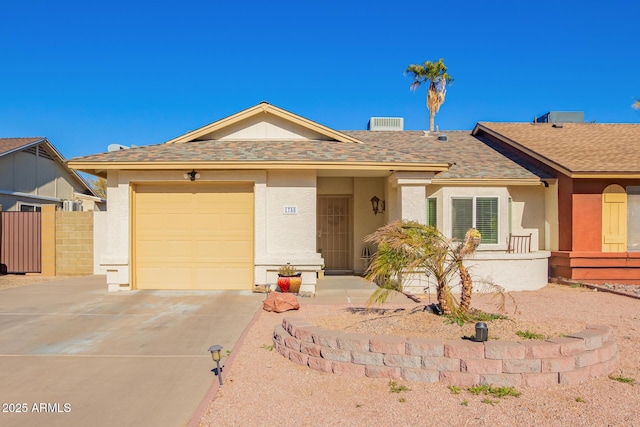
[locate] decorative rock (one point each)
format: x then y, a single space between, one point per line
279 302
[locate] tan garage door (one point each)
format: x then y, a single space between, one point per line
193 236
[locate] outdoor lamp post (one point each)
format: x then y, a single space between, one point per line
482 332
216 356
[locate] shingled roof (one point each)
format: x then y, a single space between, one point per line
223 151
8 145
573 148
467 156
461 157
470 158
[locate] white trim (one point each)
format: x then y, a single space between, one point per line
19 206
30 196
473 214
89 197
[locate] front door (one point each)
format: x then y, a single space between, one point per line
334 233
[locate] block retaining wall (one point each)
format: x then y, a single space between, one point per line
532 363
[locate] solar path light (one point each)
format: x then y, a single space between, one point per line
482 332
216 356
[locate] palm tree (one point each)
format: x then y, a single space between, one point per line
468 247
435 74
407 246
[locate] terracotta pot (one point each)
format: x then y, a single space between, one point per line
289 283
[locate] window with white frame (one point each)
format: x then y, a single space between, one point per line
28 207
475 212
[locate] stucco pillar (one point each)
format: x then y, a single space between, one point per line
116 261
411 194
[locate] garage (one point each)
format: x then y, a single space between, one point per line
192 236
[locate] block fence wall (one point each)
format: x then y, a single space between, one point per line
67 242
566 360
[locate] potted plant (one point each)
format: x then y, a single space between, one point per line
289 280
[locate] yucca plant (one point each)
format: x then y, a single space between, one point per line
287 270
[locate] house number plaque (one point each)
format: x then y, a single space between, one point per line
290 210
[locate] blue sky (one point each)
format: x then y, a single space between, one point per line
88 74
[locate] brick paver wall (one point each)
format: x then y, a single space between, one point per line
74 243
567 360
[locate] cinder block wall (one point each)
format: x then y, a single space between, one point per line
74 243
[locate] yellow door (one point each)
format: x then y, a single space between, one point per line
614 219
193 236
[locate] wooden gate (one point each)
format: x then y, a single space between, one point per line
20 242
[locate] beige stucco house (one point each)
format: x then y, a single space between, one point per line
33 173
223 206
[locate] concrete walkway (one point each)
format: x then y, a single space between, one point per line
73 354
344 290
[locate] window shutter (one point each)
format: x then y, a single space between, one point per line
487 219
461 217
432 212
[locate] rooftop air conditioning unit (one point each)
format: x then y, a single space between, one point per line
386 123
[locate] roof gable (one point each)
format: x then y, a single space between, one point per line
10 145
264 122
13 145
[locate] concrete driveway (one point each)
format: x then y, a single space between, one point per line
73 354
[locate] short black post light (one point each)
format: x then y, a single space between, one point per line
482 332
216 356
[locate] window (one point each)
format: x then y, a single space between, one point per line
26 207
475 212
633 218
432 211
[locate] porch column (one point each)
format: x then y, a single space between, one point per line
411 194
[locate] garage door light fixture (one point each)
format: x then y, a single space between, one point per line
192 176
216 356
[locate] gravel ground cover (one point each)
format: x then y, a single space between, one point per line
17 280
263 388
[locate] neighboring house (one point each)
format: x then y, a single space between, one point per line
33 173
593 202
223 206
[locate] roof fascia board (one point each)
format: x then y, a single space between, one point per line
87 196
30 196
522 148
101 167
488 182
605 175
258 109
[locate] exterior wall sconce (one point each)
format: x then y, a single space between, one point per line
216 356
482 332
191 176
377 205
